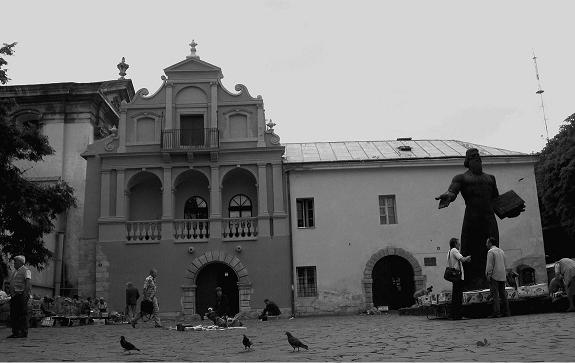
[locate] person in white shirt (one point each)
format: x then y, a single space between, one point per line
495 272
20 288
455 260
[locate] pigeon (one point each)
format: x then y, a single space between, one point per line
247 343
295 342
127 345
483 343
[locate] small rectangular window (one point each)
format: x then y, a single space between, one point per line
306 281
429 261
305 218
387 210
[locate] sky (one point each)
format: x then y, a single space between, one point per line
328 70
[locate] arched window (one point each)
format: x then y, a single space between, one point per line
196 208
240 206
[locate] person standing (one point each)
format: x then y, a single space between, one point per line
495 272
455 260
149 294
565 268
132 296
20 289
222 304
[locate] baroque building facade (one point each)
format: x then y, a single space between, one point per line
191 184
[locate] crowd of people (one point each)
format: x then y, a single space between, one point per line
496 273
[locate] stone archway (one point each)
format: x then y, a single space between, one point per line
418 277
188 297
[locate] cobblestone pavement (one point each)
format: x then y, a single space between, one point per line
537 337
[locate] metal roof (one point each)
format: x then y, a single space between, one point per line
310 152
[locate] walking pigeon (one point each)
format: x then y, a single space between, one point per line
247 343
127 345
295 342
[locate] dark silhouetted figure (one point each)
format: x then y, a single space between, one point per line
295 342
479 190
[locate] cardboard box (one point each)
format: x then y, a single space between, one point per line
444 297
424 300
476 296
537 290
512 293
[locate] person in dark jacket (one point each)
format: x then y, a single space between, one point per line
222 307
271 309
132 296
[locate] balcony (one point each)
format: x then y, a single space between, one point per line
190 139
143 230
189 230
239 229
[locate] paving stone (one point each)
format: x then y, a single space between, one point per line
388 337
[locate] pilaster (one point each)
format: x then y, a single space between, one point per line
279 207
262 191
215 203
105 194
167 207
214 105
120 193
261 126
122 131
169 122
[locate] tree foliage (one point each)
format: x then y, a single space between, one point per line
27 209
555 175
6 49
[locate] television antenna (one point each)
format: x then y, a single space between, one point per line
540 93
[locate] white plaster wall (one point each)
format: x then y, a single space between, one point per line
347 230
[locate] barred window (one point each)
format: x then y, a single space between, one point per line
387 211
305 217
306 281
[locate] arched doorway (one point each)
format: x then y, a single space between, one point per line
211 276
393 282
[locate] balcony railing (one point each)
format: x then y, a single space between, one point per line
191 229
143 230
239 228
188 139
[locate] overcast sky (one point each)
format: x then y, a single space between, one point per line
328 70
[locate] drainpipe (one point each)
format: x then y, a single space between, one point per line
58 265
290 246
59 253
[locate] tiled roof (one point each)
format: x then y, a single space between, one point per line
384 150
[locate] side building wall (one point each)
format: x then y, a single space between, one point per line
350 239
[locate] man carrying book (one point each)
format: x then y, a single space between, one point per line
479 190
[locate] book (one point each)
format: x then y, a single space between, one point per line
506 203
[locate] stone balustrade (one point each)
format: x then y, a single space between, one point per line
144 230
191 229
235 229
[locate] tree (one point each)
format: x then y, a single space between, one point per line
7 49
27 209
555 175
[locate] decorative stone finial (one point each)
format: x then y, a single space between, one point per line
270 125
123 67
193 50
